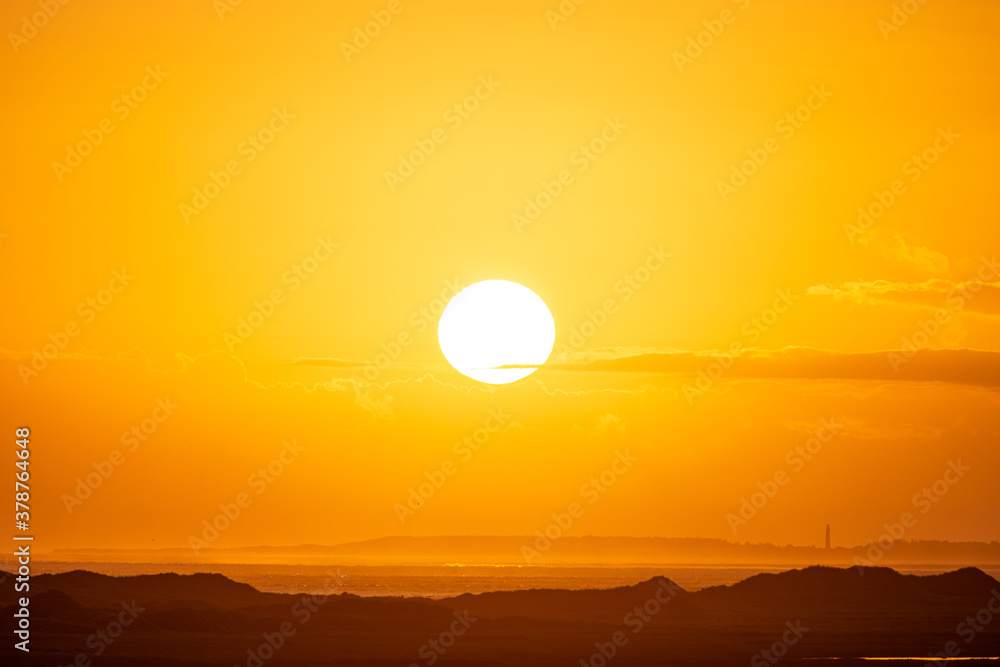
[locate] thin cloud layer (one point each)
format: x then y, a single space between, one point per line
975 367
981 297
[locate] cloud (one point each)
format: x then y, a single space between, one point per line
375 399
974 296
975 367
971 284
333 362
919 257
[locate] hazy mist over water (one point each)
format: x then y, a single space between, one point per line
437 581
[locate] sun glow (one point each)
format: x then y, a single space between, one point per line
496 332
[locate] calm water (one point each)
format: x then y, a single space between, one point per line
442 581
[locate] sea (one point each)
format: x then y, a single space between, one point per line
449 580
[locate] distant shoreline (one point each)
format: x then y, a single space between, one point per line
567 551
443 580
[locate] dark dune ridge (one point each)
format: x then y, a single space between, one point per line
209 620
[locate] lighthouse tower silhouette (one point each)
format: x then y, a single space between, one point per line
827 536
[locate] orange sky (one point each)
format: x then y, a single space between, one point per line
219 210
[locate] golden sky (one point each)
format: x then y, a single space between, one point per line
236 209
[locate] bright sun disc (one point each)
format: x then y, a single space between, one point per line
496 323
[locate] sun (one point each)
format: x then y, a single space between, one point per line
495 324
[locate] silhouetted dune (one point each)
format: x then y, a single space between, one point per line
968 581
588 606
91 588
62 613
205 619
825 587
210 620
55 603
